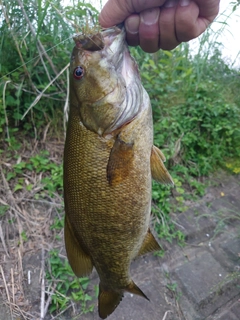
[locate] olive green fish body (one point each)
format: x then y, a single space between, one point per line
109 161
109 217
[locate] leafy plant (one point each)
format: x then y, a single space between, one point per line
24 236
68 287
173 287
52 178
233 165
58 224
3 210
161 210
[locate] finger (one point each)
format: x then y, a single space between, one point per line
132 26
189 21
116 11
168 39
149 30
208 9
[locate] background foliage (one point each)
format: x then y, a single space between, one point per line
195 101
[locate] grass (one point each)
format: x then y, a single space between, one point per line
68 288
226 219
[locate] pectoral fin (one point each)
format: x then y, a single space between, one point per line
159 172
149 244
79 261
120 162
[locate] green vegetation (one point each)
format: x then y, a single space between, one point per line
196 105
196 109
173 287
67 287
52 174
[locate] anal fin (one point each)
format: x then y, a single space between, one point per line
80 262
159 171
149 244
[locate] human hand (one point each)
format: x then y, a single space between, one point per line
155 24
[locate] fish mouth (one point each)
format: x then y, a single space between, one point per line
108 44
98 40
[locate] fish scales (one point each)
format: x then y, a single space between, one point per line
109 162
104 212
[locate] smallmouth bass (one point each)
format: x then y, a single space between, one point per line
109 163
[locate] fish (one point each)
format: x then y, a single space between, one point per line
109 163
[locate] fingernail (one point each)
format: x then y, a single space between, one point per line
170 4
132 24
150 16
184 3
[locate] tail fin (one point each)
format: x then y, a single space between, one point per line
109 300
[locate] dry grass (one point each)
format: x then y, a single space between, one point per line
25 230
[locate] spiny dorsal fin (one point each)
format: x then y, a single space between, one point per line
108 301
149 244
159 172
79 261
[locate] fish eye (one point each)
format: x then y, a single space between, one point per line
78 73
